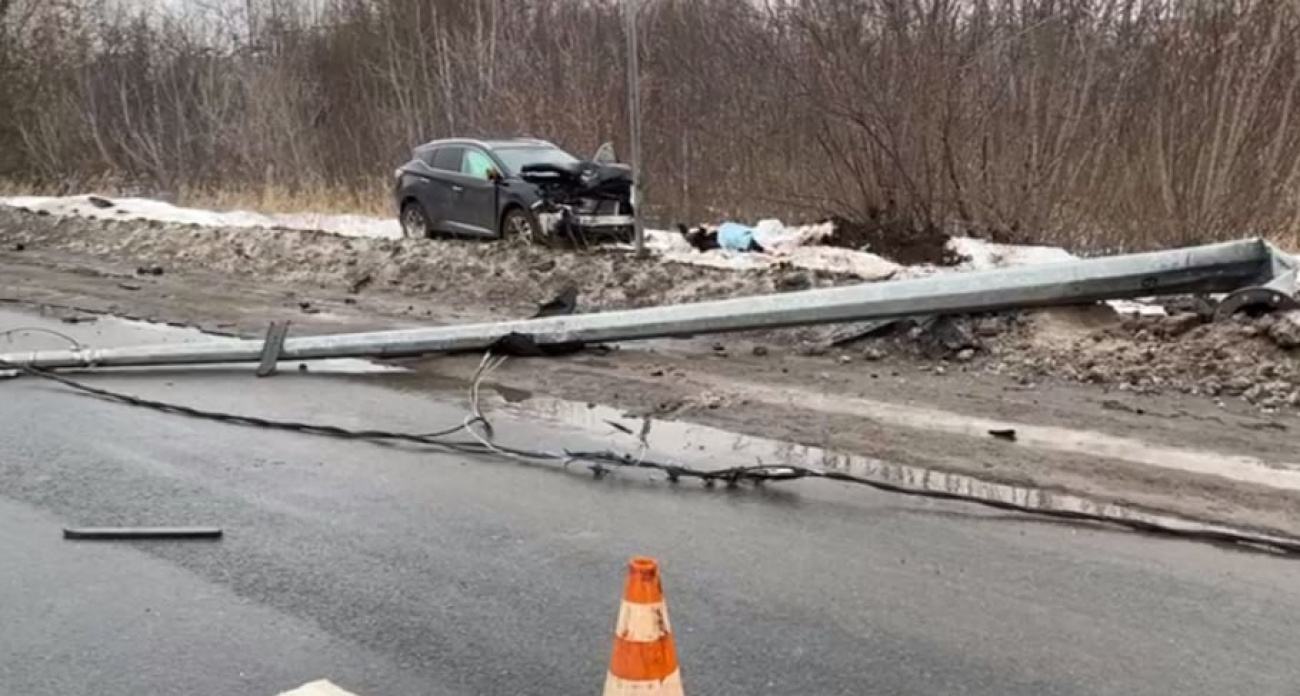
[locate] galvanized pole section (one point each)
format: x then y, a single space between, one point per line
1213 268
634 118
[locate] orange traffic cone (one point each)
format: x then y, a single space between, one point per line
644 662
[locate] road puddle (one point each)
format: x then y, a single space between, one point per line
707 447
1242 468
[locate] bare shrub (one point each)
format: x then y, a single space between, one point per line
1096 123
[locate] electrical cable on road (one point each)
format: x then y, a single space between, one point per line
477 426
36 329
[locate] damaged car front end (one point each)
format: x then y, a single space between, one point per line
582 201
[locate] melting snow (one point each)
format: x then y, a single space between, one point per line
148 209
797 247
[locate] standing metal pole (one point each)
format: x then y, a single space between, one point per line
630 8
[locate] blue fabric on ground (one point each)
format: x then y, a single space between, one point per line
734 236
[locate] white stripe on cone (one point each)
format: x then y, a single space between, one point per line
318 688
642 623
670 686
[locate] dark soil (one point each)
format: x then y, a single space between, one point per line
893 240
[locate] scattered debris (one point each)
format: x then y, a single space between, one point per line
852 333
130 286
1179 324
1008 434
563 304
759 351
80 319
140 533
1116 405
99 202
990 327
1285 330
794 281
20 247
619 427
149 270
358 284
939 337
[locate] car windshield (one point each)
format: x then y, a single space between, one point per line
517 157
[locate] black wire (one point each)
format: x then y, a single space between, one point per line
36 329
602 462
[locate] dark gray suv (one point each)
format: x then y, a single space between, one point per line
519 187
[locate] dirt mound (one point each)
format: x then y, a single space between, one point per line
1256 359
477 275
895 241
1244 357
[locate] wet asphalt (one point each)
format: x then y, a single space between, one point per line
391 570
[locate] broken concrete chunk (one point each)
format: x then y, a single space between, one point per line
792 282
943 337
1285 330
1179 324
988 327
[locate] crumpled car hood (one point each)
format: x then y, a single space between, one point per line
582 178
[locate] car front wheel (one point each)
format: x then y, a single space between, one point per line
522 225
415 223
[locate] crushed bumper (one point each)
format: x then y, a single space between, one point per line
565 223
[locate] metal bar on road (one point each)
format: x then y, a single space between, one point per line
1207 269
140 533
272 347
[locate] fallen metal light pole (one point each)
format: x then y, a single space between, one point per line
1215 268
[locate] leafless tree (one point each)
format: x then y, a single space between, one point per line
1099 123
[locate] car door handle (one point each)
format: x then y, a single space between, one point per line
458 189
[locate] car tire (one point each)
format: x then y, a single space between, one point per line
522 225
415 222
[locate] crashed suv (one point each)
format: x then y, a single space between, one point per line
524 188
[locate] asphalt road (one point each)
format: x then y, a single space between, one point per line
393 571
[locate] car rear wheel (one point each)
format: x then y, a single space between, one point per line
415 223
522 225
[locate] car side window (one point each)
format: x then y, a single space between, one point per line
477 164
448 159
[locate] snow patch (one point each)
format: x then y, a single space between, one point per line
789 246
800 246
160 211
981 255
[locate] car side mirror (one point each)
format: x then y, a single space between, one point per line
494 175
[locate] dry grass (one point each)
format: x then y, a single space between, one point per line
374 201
